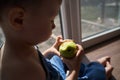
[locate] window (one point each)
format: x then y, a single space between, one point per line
89 22
98 16
1 37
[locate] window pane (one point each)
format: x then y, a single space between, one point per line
1 37
56 32
99 15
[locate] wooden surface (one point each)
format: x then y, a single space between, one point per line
107 48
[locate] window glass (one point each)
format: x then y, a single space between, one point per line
99 15
1 37
56 32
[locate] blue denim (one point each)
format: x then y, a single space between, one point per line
51 69
56 70
91 71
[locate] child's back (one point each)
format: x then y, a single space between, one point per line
26 67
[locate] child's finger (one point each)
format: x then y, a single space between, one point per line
80 50
59 38
58 41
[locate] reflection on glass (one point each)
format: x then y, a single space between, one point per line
99 15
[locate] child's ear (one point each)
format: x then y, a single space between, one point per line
16 17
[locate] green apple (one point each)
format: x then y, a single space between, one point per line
68 49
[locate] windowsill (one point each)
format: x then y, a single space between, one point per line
110 48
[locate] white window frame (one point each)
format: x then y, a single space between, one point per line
70 15
71 25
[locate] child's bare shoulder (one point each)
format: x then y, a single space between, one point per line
23 69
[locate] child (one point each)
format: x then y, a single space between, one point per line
26 23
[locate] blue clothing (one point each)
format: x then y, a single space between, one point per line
56 70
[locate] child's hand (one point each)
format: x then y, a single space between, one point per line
54 49
74 63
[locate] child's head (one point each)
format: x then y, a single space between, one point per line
29 21
5 4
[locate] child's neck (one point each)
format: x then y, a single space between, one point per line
19 49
